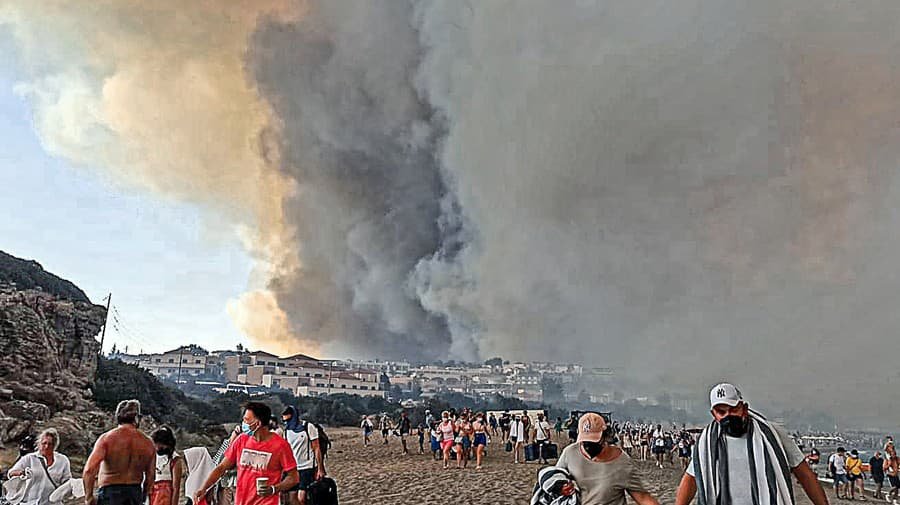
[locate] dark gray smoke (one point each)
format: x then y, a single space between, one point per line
686 192
361 146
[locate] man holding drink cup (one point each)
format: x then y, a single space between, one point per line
261 458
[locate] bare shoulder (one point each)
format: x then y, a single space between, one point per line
147 442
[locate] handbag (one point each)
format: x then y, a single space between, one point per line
508 447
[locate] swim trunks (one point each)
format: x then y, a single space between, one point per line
121 494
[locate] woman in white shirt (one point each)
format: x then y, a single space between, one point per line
517 437
48 468
169 469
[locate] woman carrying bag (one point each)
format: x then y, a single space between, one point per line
47 468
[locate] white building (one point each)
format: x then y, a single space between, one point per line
342 382
185 361
388 367
302 375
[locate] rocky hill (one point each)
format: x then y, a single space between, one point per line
48 351
29 274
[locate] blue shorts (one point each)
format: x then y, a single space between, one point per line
435 445
480 439
840 478
466 442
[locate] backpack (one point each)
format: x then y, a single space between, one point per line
324 441
322 492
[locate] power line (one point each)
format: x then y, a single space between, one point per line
127 336
117 316
127 331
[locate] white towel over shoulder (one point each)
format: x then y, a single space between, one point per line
769 468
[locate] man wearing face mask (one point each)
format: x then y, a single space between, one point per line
743 459
265 462
303 438
604 474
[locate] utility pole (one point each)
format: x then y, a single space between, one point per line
180 352
330 368
105 321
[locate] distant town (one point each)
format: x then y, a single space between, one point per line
257 372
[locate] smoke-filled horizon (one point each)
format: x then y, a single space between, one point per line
684 191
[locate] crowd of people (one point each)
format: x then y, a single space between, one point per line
736 459
262 462
646 441
849 472
462 436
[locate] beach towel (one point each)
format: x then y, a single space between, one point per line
547 490
15 489
72 488
769 472
200 466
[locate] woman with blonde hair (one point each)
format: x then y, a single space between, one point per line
47 469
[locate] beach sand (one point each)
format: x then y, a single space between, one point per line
380 474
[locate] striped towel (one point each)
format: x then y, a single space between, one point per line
770 475
549 483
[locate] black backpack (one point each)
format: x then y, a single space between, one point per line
324 441
322 492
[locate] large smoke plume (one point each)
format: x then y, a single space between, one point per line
683 190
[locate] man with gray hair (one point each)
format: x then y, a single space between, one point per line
125 460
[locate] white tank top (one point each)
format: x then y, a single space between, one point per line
164 467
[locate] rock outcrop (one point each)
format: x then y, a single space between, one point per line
48 354
48 348
49 368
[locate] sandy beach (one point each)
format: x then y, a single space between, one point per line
380 474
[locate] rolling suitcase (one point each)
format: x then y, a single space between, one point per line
531 452
551 451
322 492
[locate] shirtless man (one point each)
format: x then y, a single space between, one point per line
124 458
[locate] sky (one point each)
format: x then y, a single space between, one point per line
168 269
684 191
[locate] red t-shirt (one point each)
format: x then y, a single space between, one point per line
259 459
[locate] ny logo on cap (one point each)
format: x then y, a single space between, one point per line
586 426
720 393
